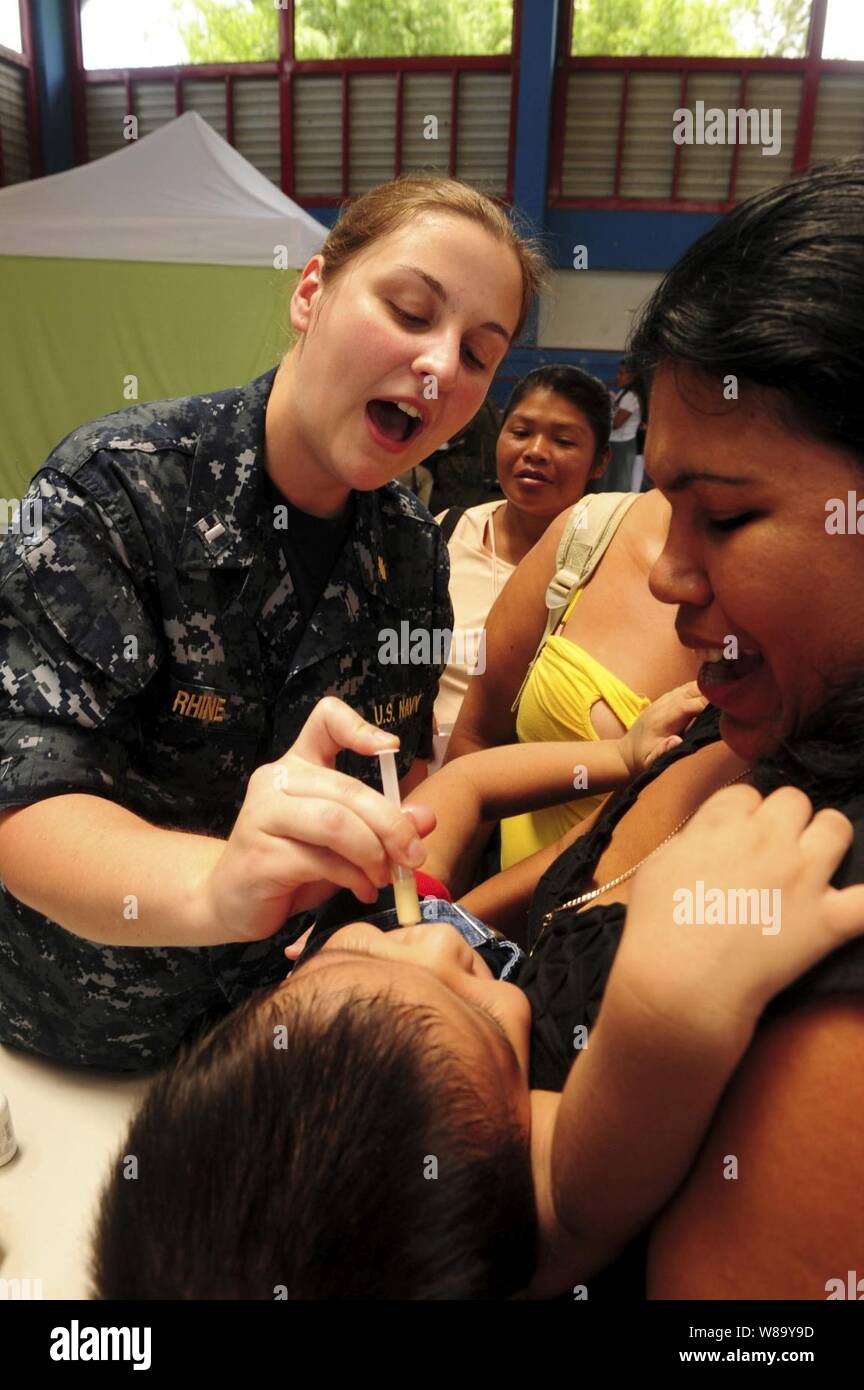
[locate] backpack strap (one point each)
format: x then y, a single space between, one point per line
590 527
450 521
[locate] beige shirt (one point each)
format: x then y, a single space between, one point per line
476 578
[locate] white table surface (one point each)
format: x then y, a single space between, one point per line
69 1125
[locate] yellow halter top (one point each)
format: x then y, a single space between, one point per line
556 704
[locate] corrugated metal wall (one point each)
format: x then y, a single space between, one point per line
372 105
700 178
482 129
154 106
591 134
14 125
208 99
483 119
426 94
839 126
106 108
318 136
256 124
767 91
648 154
590 137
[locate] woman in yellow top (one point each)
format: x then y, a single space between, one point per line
615 651
563 687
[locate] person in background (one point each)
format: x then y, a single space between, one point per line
463 468
553 439
626 418
418 480
639 480
461 471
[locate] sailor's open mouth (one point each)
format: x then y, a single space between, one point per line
398 422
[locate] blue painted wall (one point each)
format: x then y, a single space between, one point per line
527 356
623 240
54 66
326 215
615 240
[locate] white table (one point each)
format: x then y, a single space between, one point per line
69 1125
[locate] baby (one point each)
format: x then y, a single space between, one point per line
367 1130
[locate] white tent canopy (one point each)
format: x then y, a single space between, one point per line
182 194
150 273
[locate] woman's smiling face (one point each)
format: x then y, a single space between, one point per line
748 556
546 453
423 316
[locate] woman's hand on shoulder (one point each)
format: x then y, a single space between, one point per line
737 906
305 829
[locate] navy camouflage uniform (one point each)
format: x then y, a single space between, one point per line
153 651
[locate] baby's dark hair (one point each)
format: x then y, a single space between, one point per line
305 1151
774 293
581 389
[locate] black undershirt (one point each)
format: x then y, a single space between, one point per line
308 545
311 545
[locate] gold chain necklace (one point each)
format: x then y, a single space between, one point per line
628 873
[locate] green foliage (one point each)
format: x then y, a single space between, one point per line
247 30
368 28
238 33
225 31
719 28
784 32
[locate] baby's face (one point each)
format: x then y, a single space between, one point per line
484 1020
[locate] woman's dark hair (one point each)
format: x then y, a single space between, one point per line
825 757
774 294
315 1153
583 391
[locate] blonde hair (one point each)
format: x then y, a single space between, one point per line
390 205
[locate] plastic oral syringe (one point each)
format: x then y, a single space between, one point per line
403 880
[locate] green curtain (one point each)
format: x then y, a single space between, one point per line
73 331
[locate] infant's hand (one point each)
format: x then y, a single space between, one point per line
657 728
737 906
